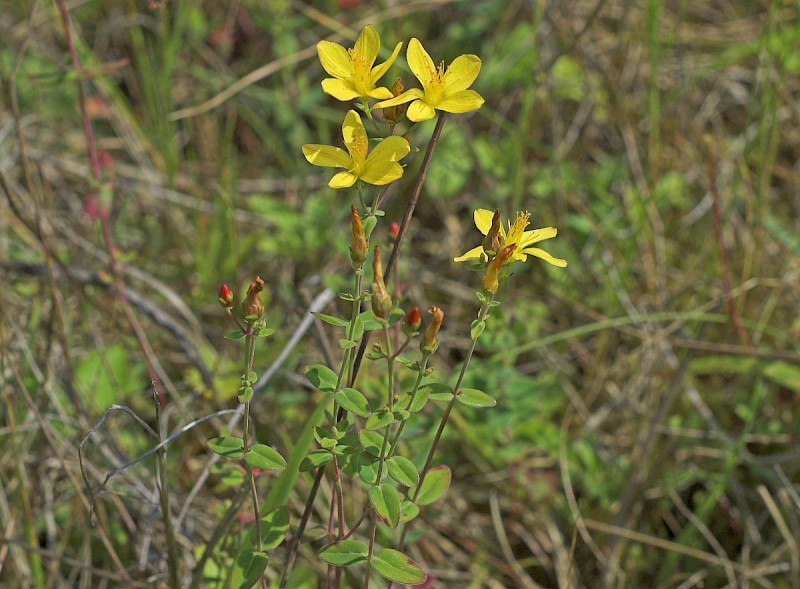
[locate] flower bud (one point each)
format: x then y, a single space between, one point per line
381 301
413 321
429 341
491 280
358 240
253 306
494 238
394 230
225 297
395 114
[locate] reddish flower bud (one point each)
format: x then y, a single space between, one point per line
494 238
394 230
253 306
225 296
491 280
413 321
358 240
395 114
430 342
381 301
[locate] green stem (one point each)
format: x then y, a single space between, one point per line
173 561
482 315
420 375
250 351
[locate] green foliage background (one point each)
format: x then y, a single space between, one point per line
646 431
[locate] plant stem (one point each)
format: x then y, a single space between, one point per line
173 562
482 315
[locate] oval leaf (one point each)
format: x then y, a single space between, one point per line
403 471
397 567
315 459
273 528
344 553
434 486
379 419
408 511
250 566
265 457
371 441
322 377
353 401
227 446
386 501
475 398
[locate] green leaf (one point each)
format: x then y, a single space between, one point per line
344 553
234 335
315 459
403 471
419 400
227 446
245 394
397 567
249 567
386 501
346 344
322 377
476 329
358 328
378 419
265 457
273 528
346 296
408 511
330 319
368 466
264 332
434 486
371 441
369 225
475 398
353 401
784 374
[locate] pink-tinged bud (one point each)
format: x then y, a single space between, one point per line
395 114
413 321
429 341
225 296
381 301
494 238
394 230
491 280
358 240
253 306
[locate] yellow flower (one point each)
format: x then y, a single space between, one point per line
442 88
379 167
517 236
352 71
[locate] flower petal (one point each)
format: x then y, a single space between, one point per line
381 172
407 96
420 62
367 45
483 220
335 60
461 73
474 254
354 133
463 101
420 111
326 156
380 93
392 149
338 89
531 237
540 253
378 71
343 180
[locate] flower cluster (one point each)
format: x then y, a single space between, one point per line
354 75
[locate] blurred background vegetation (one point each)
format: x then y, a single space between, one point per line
646 431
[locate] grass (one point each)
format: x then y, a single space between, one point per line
645 434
